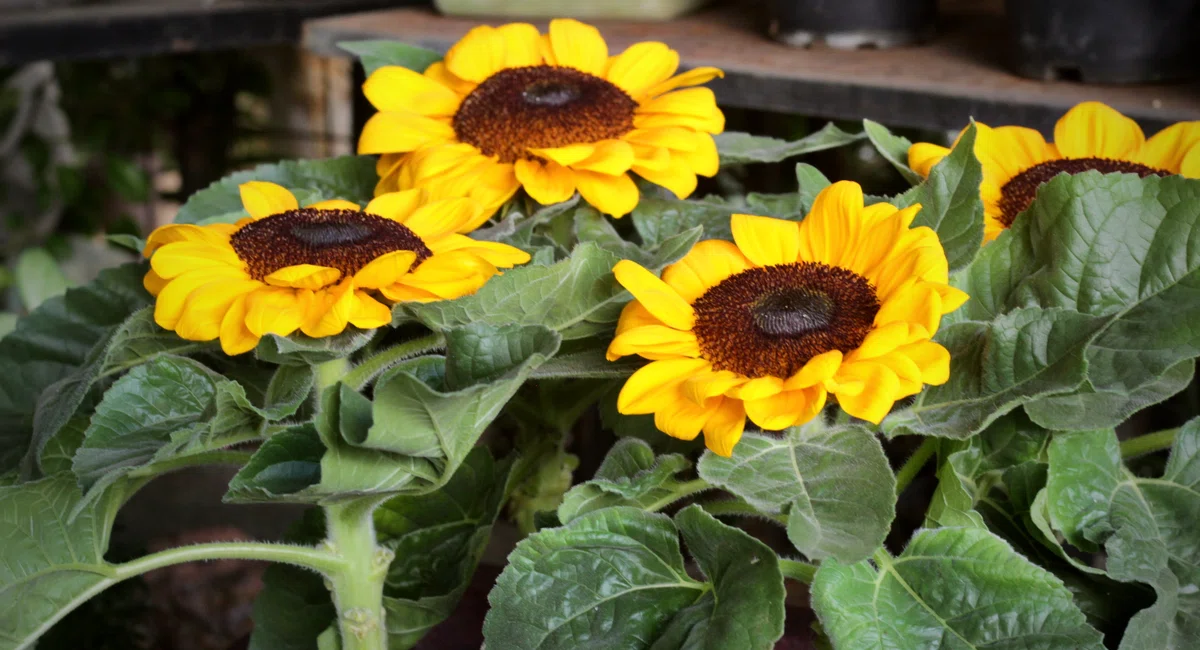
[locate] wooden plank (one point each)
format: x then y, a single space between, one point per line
145 27
934 86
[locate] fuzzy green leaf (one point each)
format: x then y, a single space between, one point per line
38 277
1149 528
835 485
578 585
738 148
951 588
629 476
351 178
376 54
893 148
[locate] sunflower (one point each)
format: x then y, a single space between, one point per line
314 269
511 108
845 302
1017 160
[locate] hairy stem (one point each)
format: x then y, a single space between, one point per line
739 508
210 457
797 570
304 556
908 471
372 366
1149 443
358 587
683 490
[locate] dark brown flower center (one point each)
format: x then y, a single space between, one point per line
541 106
346 240
770 321
1020 190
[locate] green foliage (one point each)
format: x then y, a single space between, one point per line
629 476
893 148
813 474
572 586
736 148
376 54
348 177
904 602
1073 306
38 277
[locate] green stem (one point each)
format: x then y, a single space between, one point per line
738 508
210 457
797 570
358 588
303 556
1149 443
908 471
329 373
372 366
681 491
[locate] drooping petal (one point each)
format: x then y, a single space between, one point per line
655 342
274 310
440 218
878 391
682 418
173 297
642 390
384 270
499 254
303 276
724 427
611 157
206 307
236 338
785 409
615 195
677 176
390 132
547 182
369 313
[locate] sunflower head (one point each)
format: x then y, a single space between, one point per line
768 326
314 269
552 113
1091 136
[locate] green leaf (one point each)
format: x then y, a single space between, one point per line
50 563
629 476
809 183
426 416
348 177
1149 528
302 350
641 427
377 54
657 220
8 323
1087 295
47 347
580 585
738 148
950 202
747 611
129 242
291 610
951 588
894 149
577 297
38 277
835 485
1091 408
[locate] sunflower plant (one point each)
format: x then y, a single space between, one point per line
511 311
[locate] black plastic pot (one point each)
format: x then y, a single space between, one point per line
1105 41
852 24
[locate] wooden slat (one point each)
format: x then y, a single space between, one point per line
937 86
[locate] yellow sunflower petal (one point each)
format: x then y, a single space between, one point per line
1012 149
692 107
369 313
499 254
659 298
832 226
682 418
693 77
703 386
263 199
179 257
633 315
396 205
399 132
724 427
172 233
547 182
703 158
441 218
275 310
522 45
923 156
816 372
642 66
669 137
766 241
328 311
450 275
879 391
478 55
883 340
1168 148
402 293
650 157
655 342
579 46
677 176
705 266
1092 129
334 204
384 270
566 155
153 282
907 372
786 409
931 358
642 390
441 74
236 338
206 307
758 388
173 297
615 195
1190 167
393 88
303 276
610 157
